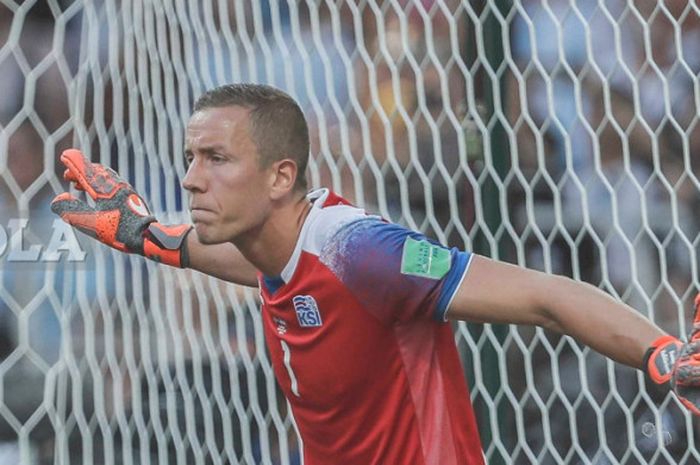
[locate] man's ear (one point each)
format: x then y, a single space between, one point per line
283 177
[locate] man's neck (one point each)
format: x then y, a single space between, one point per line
270 247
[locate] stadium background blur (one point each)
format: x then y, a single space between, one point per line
560 135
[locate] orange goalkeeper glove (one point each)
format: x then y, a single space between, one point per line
672 363
686 374
120 217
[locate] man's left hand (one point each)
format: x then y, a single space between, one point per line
685 379
671 363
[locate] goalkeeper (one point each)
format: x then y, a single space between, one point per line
354 308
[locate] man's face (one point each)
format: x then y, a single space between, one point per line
228 188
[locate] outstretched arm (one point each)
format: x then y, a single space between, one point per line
497 292
121 219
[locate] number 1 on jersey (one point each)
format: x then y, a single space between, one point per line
288 365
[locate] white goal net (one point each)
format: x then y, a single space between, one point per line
562 135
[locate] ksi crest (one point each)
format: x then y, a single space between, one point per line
307 311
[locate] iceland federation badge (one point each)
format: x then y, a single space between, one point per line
307 311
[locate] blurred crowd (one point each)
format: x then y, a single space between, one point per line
562 135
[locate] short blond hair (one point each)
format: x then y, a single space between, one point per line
277 125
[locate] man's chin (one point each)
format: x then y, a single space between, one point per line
205 236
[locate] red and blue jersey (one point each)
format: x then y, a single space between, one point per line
356 331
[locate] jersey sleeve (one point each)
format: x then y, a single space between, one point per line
396 274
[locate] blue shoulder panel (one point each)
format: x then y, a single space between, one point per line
396 273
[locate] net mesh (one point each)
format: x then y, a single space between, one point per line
560 135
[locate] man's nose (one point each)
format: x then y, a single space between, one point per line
194 179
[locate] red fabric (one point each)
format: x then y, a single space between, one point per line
334 199
370 393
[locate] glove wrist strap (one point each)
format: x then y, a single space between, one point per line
660 358
167 244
